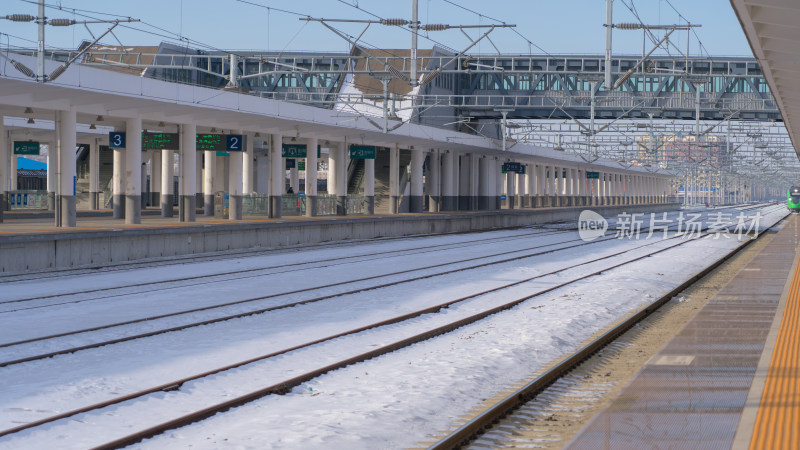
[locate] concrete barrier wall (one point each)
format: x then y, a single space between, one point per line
28 252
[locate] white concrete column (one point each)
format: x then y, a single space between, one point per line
449 197
155 178
13 173
52 173
277 174
510 187
235 181
94 173
433 181
369 184
4 168
143 171
498 181
247 164
416 201
133 171
394 179
209 175
462 181
483 182
552 191
167 182
188 181
311 176
530 185
67 143
118 184
342 154
474 184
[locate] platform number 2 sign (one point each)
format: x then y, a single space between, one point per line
116 139
233 142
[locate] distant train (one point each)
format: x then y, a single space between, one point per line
793 199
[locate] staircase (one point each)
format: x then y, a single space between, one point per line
355 177
382 181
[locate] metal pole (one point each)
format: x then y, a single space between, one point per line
609 29
414 30
40 76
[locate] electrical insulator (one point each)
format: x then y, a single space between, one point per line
394 22
628 26
20 18
435 27
23 68
61 22
57 73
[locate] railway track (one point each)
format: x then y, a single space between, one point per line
288 384
538 250
561 377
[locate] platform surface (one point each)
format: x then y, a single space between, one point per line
730 378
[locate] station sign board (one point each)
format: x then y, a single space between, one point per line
116 139
362 152
26 148
297 151
301 165
160 141
219 142
514 167
593 175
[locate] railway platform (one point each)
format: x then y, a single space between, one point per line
730 378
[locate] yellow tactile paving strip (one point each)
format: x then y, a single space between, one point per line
778 419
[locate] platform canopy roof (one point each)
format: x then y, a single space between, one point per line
773 29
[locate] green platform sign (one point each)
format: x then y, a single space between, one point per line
26 148
294 151
160 141
301 165
297 151
362 152
593 175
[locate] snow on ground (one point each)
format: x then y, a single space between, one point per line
389 402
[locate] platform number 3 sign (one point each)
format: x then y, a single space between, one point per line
116 139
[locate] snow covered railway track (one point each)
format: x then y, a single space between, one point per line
560 386
287 384
480 261
49 346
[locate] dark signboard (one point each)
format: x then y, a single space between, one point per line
160 141
26 148
362 152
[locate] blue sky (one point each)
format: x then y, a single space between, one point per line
552 26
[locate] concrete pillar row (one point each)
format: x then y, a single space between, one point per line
394 179
4 166
187 203
311 176
462 182
236 181
509 188
530 185
276 175
117 183
416 200
433 181
167 182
